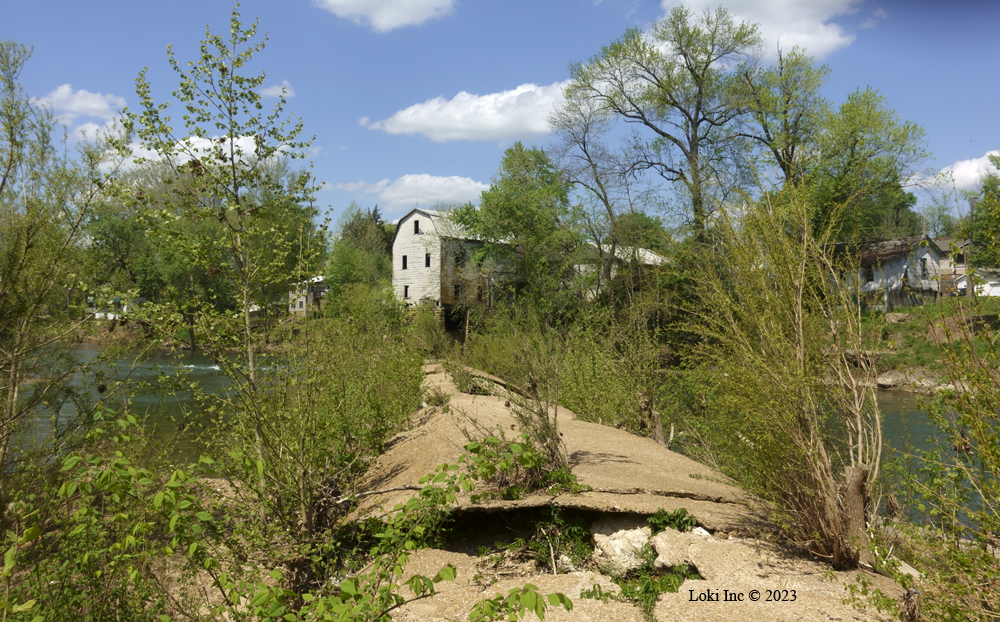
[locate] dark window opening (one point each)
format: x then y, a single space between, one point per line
479 294
924 273
404 262
458 260
427 260
869 274
406 291
416 227
458 292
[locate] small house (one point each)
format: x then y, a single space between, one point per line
987 282
306 295
953 265
901 272
432 262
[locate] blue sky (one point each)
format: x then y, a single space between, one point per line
413 101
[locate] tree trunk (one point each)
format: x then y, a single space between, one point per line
189 319
855 505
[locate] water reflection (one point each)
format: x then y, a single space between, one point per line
160 409
905 421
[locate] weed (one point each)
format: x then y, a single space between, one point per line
437 397
467 382
679 520
643 585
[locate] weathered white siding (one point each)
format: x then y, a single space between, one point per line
423 282
890 275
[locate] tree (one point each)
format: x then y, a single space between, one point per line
983 226
222 168
525 221
940 220
787 110
45 200
866 153
361 252
675 82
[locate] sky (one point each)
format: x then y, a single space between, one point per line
413 102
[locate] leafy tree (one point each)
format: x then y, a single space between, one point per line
361 252
866 153
983 226
674 82
940 220
640 230
787 110
223 167
45 200
525 220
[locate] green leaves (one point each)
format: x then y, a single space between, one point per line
517 604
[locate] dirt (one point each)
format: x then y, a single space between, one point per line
628 475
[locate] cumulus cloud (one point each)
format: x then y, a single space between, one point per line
805 23
967 173
417 190
518 113
71 104
386 15
276 90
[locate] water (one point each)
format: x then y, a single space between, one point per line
161 411
905 421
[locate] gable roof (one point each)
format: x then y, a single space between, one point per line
884 250
444 226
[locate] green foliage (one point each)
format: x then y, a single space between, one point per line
517 604
644 585
431 336
868 152
513 468
361 252
983 227
948 525
777 321
678 520
526 223
46 196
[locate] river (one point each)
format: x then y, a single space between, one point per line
160 410
903 415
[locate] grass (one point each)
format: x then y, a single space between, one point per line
916 342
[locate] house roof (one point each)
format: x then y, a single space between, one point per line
626 253
883 250
949 245
443 225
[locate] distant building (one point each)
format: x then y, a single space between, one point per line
624 256
987 282
953 266
306 295
432 262
900 272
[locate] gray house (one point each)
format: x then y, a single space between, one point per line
900 272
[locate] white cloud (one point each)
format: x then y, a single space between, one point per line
876 17
417 190
518 113
805 23
72 104
276 90
385 15
967 173
362 186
